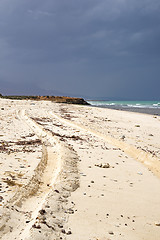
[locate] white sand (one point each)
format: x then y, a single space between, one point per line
53 184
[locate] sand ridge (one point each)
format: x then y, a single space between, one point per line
152 162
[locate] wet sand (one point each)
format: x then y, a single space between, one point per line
151 111
77 172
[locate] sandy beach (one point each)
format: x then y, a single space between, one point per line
78 172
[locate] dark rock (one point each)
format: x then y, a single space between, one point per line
69 233
157 224
1 198
60 226
123 137
63 231
36 226
56 191
106 165
42 211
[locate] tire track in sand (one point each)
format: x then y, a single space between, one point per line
152 163
30 199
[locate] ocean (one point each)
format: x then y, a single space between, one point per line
148 107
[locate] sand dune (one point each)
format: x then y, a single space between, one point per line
77 172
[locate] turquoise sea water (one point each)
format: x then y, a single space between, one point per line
127 104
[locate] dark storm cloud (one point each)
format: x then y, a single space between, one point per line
90 47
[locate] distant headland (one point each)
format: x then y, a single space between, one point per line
57 99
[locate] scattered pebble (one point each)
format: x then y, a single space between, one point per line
42 211
157 224
56 191
106 165
1 198
36 226
69 233
123 137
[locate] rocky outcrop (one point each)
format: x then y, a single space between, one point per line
69 100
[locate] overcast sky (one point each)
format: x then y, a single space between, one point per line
98 48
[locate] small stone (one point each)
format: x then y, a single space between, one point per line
56 191
60 226
1 198
69 233
36 226
106 165
42 211
103 165
47 206
123 137
70 211
157 224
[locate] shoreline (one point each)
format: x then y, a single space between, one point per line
150 111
